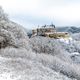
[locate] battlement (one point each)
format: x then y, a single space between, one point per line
49 31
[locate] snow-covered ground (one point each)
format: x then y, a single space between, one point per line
25 69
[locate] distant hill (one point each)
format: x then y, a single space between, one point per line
71 29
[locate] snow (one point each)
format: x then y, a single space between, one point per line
65 40
75 53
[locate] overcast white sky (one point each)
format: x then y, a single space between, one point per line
31 13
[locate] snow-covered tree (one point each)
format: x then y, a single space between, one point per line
3 15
